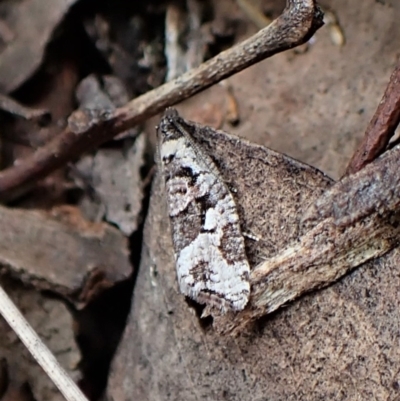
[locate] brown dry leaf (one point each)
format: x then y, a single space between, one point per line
335 341
338 343
114 176
31 24
87 265
61 251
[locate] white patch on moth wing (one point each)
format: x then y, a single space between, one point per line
211 219
224 279
181 192
182 153
222 215
206 182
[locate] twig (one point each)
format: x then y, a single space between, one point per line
381 128
13 107
196 44
39 351
173 51
353 222
296 25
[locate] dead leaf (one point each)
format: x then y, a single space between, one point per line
59 253
32 23
336 341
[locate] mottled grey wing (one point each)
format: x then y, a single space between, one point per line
211 263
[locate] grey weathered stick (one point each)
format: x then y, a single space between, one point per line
39 351
373 190
352 222
296 25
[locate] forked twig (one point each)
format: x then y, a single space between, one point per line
296 25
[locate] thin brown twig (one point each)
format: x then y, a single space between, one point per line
298 22
381 128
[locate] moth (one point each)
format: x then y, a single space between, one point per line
211 263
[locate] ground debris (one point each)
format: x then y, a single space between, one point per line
30 25
58 250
